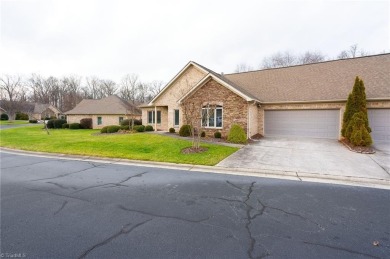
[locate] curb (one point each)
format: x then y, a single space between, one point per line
277 174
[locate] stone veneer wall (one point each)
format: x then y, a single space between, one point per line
235 108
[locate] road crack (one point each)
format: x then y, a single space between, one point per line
123 231
57 194
340 249
62 206
162 216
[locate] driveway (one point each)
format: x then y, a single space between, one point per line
316 156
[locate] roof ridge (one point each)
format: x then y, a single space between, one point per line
308 64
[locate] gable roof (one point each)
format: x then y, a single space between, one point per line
108 105
324 81
41 107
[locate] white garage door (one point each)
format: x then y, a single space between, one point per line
303 123
380 124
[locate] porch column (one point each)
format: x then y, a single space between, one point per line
155 118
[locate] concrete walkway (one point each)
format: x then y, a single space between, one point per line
314 156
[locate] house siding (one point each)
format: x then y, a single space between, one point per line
235 108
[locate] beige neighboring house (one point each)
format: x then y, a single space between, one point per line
298 101
103 112
42 111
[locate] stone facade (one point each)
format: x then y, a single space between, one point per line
235 108
106 119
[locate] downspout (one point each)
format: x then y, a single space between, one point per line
155 118
248 122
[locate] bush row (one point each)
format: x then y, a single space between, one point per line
4 117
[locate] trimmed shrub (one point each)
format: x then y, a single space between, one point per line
172 130
57 124
217 134
113 128
125 127
128 122
139 128
149 128
203 134
4 117
65 126
33 121
104 129
21 116
74 126
357 132
86 123
50 124
185 130
237 135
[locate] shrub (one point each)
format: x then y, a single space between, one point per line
357 132
104 129
237 135
217 134
33 121
50 124
203 134
125 127
57 124
149 128
74 126
65 126
21 116
4 117
172 130
86 123
139 128
128 122
185 130
113 128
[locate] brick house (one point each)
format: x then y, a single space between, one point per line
301 101
107 111
45 110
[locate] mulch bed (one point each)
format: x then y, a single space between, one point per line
191 150
357 149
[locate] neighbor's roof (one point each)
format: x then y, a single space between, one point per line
324 81
41 107
108 105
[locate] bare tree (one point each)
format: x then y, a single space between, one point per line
242 67
92 89
155 88
279 59
352 52
128 87
13 90
107 87
310 57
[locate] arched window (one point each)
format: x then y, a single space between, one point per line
212 116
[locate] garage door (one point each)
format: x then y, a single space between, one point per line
380 124
303 123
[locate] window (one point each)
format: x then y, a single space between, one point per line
151 117
212 117
120 120
176 123
99 121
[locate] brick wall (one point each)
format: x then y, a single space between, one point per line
235 108
106 119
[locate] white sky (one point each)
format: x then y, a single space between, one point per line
155 39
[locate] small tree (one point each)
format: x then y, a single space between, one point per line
237 135
356 104
357 132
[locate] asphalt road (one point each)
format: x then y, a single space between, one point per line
55 208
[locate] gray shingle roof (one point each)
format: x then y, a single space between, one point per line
109 105
330 80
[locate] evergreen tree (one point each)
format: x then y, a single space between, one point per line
356 103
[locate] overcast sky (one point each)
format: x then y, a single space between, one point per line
155 39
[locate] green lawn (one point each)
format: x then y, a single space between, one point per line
13 122
138 146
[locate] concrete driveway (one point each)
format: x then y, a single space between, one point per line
315 156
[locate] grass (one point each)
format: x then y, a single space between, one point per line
138 146
13 122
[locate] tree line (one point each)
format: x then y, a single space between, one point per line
287 58
18 93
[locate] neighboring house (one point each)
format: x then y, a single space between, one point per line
2 110
303 100
106 111
45 110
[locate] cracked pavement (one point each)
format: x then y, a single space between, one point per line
55 208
